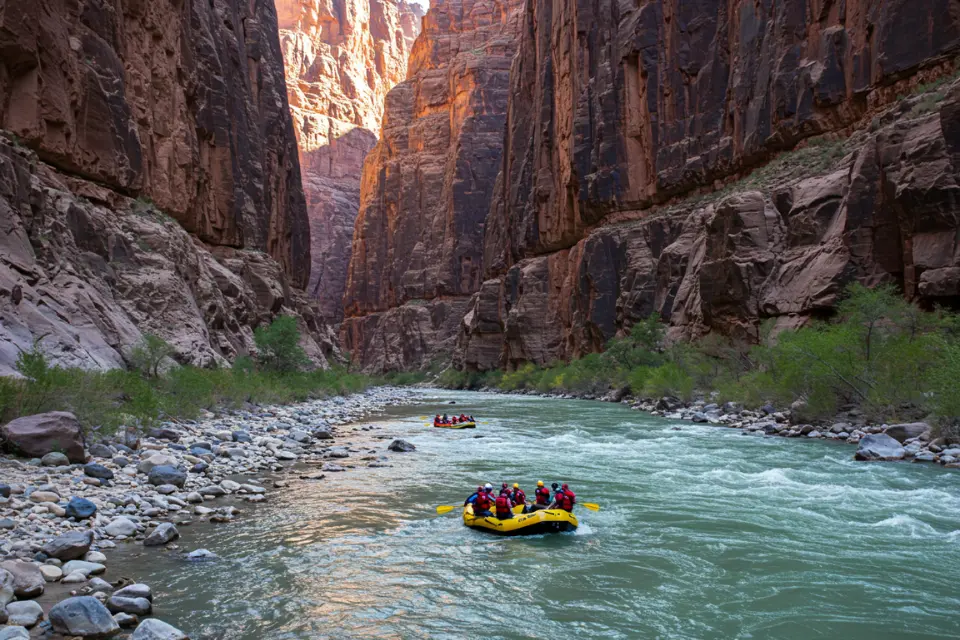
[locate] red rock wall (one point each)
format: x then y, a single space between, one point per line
427 186
341 58
615 108
181 103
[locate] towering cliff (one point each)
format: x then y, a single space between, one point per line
121 118
341 57
427 187
617 108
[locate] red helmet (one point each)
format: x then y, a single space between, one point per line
504 485
480 489
564 487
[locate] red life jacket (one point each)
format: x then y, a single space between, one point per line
482 503
566 499
503 504
543 495
518 497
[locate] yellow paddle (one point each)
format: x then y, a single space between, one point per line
593 506
447 508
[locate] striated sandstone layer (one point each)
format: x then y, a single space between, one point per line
341 58
427 187
180 103
616 108
86 271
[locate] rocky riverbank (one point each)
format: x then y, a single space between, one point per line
60 512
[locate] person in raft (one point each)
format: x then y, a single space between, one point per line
505 489
564 498
504 506
473 498
484 501
519 497
541 497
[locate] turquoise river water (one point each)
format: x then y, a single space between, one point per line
704 533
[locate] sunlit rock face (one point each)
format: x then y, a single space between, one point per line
341 59
622 114
426 189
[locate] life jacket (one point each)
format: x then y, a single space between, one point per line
482 503
566 499
503 504
543 495
518 497
463 418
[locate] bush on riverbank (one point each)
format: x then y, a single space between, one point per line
105 400
880 354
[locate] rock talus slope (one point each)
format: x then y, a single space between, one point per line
427 187
341 58
150 180
617 108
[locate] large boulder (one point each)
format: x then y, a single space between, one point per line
69 546
401 446
166 474
879 446
153 629
28 582
903 432
83 616
37 435
163 534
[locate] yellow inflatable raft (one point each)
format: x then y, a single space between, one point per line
459 425
543 521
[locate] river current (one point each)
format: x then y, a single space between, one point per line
703 533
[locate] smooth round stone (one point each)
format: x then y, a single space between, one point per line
51 573
95 556
83 616
166 489
25 613
74 578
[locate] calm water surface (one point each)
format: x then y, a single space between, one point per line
704 533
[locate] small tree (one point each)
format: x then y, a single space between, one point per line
278 346
147 356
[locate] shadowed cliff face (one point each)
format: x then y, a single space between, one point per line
615 108
341 58
182 103
150 181
426 189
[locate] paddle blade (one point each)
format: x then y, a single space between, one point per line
593 506
445 508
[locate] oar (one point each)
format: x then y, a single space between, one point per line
593 506
447 508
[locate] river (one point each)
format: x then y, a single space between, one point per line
703 533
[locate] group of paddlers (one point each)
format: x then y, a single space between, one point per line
485 504
453 419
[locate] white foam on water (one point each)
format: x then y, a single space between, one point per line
908 524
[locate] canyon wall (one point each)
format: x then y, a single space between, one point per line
341 58
427 187
150 180
618 112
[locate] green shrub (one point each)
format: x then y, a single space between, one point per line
147 356
278 346
669 380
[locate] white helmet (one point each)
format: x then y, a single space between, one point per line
488 486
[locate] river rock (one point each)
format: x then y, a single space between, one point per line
4 490
201 555
74 578
82 566
7 587
95 556
879 446
283 454
194 497
28 582
167 474
69 546
80 508
136 590
322 435
121 526
44 496
902 432
101 585
54 459
163 534
126 620
14 633
164 434
156 460
50 572
83 616
25 614
240 436
153 629
123 604
95 470
212 491
230 486
37 435
99 450
401 446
